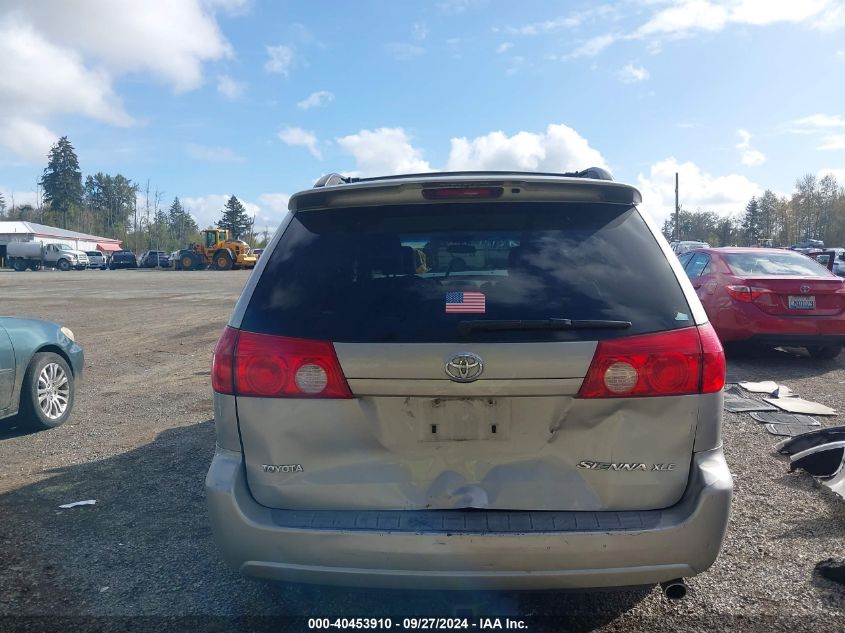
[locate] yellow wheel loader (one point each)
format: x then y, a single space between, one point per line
216 251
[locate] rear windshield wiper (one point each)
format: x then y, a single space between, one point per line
492 325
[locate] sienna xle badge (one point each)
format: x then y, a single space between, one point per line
469 380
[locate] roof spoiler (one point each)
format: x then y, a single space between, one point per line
333 179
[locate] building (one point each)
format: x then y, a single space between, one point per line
18 231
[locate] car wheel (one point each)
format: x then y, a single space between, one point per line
19 266
47 392
63 265
826 352
223 261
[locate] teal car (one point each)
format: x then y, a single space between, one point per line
40 367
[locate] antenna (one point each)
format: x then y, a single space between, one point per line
677 212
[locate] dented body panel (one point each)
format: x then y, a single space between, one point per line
381 452
515 550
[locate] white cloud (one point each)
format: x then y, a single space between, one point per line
592 46
753 157
564 22
275 202
19 198
63 58
38 78
764 12
230 88
839 174
383 151
316 100
820 121
749 156
298 136
121 36
559 149
213 154
833 142
269 211
419 31
280 59
26 139
232 7
455 7
684 18
504 47
631 73
699 190
699 15
208 209
404 51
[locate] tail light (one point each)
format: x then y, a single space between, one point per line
265 366
680 362
462 193
747 294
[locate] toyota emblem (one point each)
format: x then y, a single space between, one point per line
464 367
805 288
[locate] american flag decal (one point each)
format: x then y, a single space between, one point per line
465 303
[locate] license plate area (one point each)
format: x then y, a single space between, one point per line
802 302
464 419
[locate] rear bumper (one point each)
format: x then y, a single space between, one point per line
531 550
749 323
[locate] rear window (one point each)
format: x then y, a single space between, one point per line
414 273
774 265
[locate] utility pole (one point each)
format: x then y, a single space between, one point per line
677 212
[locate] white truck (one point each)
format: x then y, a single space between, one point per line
34 255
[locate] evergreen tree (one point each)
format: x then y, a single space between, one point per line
751 222
182 224
62 180
768 211
235 219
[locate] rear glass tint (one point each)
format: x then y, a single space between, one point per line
774 265
413 273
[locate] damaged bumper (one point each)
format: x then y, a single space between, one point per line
471 549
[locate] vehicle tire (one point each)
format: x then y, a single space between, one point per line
19 265
188 262
825 352
223 261
63 265
34 267
47 392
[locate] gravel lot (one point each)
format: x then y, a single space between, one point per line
141 438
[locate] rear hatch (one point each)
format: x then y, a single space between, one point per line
446 321
786 284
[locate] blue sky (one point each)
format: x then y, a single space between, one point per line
206 98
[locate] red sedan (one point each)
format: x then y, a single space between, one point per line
771 297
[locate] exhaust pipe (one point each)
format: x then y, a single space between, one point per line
674 589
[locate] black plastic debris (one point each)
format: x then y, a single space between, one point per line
832 569
823 461
736 404
815 437
777 417
789 430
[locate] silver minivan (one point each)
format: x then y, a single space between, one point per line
469 380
